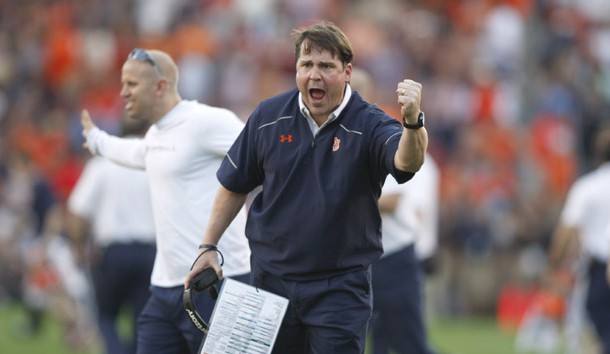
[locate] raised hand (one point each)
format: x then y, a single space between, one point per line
87 123
409 97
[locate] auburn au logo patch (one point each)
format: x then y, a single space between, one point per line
336 144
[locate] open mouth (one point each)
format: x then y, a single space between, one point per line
316 94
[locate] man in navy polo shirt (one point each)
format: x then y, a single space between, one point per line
321 154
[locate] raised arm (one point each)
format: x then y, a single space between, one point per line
414 141
129 152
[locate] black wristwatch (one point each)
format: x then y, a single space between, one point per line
421 119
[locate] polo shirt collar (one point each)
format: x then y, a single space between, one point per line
332 116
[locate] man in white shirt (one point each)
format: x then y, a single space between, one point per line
181 153
409 217
112 203
409 227
578 238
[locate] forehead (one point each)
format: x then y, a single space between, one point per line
133 68
317 53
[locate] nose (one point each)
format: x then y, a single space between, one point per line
314 74
124 91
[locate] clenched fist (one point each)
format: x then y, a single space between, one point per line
409 97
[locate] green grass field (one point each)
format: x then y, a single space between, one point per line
470 336
449 336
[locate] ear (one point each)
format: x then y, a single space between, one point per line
348 72
161 86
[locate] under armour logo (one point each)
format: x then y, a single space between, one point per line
286 138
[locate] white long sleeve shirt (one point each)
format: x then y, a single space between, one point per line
415 218
181 154
116 201
587 208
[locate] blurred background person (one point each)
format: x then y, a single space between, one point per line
578 245
67 289
38 264
112 227
26 204
409 216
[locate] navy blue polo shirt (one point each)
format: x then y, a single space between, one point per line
318 213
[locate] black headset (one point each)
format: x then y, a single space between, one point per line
205 280
201 282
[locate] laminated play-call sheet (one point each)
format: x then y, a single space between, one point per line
245 320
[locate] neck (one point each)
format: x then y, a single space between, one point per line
320 120
166 106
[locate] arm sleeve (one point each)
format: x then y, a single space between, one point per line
386 138
129 152
573 209
219 137
424 195
241 170
84 196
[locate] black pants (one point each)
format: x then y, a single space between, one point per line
122 280
398 320
598 303
326 316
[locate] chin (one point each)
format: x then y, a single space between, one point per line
320 112
131 114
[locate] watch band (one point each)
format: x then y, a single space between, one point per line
421 118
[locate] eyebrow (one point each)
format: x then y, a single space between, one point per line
323 62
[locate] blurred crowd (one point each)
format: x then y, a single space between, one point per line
513 92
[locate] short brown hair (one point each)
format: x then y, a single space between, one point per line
326 36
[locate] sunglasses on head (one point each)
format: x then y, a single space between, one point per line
143 56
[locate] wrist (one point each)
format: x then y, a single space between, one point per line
421 119
92 138
209 246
